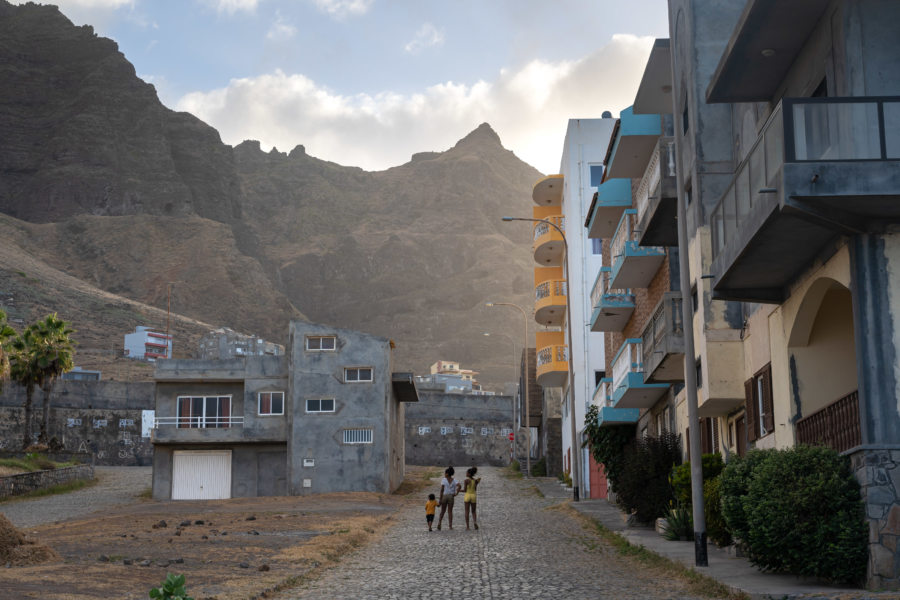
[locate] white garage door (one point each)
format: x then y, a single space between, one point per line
201 475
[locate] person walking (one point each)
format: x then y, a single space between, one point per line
429 510
470 485
449 488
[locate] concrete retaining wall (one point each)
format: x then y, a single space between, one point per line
16 485
458 429
102 418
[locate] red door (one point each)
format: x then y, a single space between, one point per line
597 479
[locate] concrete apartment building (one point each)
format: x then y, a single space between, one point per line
147 344
561 278
787 160
325 417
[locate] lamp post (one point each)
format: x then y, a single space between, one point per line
527 409
515 404
576 461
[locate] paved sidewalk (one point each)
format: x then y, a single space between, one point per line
737 573
524 549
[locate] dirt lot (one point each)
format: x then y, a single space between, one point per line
227 549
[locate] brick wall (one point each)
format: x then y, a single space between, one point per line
16 485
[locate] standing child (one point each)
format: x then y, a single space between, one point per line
429 510
470 486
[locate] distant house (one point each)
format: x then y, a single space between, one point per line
80 374
147 344
225 343
325 417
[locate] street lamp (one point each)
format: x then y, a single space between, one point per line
525 385
576 461
515 404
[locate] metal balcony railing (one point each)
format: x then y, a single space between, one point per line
550 354
198 422
661 161
542 229
806 130
629 360
546 289
835 426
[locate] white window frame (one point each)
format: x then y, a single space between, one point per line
271 413
357 436
347 371
320 410
333 338
203 421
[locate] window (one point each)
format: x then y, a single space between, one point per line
699 374
758 404
685 125
321 343
694 303
596 175
204 411
598 377
596 246
271 403
320 405
357 436
357 374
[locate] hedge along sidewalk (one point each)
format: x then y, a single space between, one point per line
738 574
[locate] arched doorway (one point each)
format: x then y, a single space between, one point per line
823 378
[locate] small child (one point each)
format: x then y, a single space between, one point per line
429 510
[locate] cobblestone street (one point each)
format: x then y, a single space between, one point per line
523 549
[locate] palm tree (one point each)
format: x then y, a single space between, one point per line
54 355
23 371
6 332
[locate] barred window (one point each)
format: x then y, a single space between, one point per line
357 436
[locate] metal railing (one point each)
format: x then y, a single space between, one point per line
806 130
662 160
629 360
542 229
550 354
198 422
624 233
557 287
667 320
835 426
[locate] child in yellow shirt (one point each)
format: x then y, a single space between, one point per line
429 510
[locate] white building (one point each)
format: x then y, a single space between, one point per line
147 344
567 205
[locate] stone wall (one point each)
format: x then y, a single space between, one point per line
458 429
16 485
878 473
103 418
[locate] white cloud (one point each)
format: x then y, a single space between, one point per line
233 6
528 106
428 35
280 30
344 8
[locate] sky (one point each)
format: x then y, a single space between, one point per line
368 83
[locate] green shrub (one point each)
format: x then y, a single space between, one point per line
681 476
679 523
644 487
171 589
607 444
800 512
515 466
716 528
539 469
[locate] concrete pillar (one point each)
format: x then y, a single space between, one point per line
875 285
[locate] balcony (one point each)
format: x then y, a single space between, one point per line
548 244
198 429
629 388
765 43
657 197
550 296
613 198
634 140
552 364
609 415
821 167
663 341
548 191
633 265
612 307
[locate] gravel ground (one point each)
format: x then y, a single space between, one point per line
115 486
523 549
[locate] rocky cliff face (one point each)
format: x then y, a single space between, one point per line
139 196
